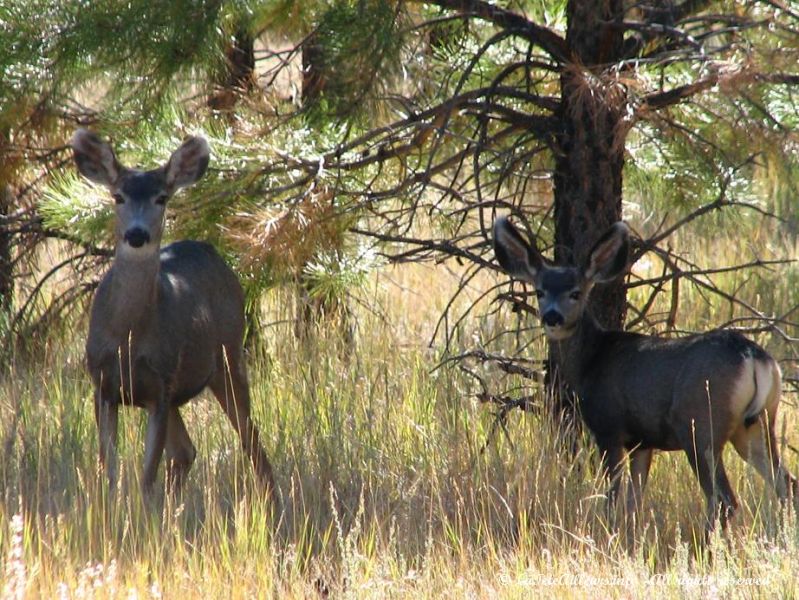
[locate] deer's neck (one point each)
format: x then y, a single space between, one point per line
574 355
134 288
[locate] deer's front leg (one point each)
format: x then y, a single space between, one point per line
612 461
640 462
154 445
155 439
106 407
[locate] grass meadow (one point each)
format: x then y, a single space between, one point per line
389 487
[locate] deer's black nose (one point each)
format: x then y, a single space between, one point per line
552 318
137 237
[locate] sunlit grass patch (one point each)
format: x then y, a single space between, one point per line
391 481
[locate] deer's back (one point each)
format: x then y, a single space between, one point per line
201 291
643 386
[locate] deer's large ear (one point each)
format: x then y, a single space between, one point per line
608 258
95 158
514 254
188 163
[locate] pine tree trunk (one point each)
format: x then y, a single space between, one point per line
313 78
239 76
312 310
590 157
6 267
6 207
241 61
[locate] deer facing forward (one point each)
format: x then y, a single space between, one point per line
640 393
165 322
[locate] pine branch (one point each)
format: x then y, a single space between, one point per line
676 95
778 78
545 38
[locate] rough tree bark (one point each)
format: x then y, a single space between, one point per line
590 157
590 154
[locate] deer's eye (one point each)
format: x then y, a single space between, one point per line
575 295
161 199
539 294
118 198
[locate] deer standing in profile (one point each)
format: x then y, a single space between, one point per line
639 393
165 322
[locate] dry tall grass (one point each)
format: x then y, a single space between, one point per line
386 490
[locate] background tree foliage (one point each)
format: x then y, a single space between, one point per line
121 67
406 123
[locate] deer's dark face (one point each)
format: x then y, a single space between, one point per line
140 200
562 294
562 291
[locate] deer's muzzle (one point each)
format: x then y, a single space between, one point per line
137 237
552 318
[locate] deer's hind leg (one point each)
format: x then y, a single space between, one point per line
702 427
757 445
180 452
229 385
612 462
708 465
